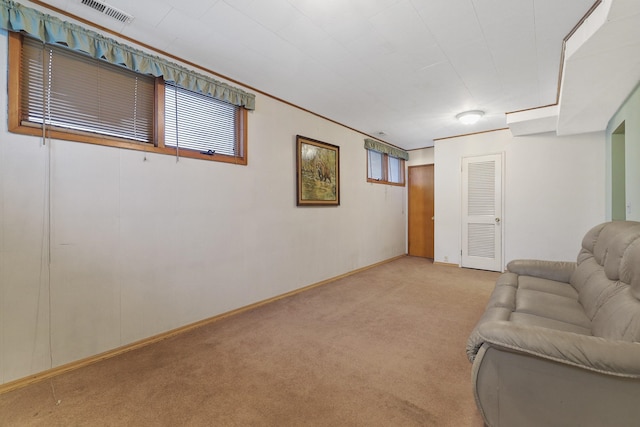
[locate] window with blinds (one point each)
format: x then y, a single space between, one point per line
194 121
59 93
385 169
75 93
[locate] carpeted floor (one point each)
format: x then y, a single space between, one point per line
384 347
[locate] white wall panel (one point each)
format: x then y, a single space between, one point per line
24 317
421 157
85 223
142 244
553 192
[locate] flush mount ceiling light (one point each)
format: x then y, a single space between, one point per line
470 117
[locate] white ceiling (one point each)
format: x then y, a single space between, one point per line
402 67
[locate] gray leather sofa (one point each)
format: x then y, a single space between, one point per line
559 342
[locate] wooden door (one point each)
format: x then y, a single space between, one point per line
421 211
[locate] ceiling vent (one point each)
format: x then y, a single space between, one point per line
109 10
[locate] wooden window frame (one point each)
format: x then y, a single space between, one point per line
15 124
385 170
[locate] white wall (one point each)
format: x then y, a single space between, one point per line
424 156
141 244
554 191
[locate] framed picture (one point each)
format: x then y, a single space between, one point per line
318 172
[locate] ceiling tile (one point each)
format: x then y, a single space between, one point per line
405 65
194 8
176 18
453 23
272 14
147 33
401 26
225 22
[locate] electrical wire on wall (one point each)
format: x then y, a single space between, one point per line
47 233
44 278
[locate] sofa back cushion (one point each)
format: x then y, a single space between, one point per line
600 263
630 268
587 265
615 245
619 316
595 288
612 293
591 237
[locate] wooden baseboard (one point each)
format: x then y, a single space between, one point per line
50 373
446 264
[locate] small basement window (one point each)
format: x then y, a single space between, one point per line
59 93
384 169
198 122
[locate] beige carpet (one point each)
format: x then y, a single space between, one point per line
384 347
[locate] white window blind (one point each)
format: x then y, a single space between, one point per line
375 165
384 168
75 92
395 170
199 122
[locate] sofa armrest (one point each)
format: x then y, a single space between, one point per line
559 271
618 358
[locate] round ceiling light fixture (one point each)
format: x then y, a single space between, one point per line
470 117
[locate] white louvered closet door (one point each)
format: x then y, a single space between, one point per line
482 212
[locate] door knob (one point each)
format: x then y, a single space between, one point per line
497 220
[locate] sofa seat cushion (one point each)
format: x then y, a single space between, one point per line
556 307
545 322
548 286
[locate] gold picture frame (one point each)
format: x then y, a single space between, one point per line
318 172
